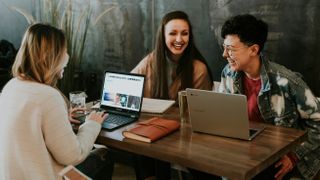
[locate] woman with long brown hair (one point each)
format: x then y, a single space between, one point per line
176 63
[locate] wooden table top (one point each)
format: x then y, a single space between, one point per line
228 157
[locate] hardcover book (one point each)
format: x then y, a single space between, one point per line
152 130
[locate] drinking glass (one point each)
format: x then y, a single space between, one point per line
183 105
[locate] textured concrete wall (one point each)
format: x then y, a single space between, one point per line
126 34
12 24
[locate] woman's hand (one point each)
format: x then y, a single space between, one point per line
98 116
74 113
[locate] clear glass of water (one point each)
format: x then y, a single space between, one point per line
77 99
183 105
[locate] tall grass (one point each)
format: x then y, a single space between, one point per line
75 18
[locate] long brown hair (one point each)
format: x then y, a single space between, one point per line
39 58
185 67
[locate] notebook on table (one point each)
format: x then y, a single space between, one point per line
121 98
220 114
157 106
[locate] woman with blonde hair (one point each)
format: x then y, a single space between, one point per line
36 137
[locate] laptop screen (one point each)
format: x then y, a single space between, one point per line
122 91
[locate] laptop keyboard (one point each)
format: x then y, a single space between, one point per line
113 121
116 120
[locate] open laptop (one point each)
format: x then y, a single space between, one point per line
220 114
121 97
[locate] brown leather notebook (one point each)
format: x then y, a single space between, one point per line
151 130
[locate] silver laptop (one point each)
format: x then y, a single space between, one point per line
220 114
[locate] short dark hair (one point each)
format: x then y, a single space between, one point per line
249 29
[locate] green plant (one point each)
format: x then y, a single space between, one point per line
75 19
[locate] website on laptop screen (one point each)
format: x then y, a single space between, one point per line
122 91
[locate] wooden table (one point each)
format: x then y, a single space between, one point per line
231 158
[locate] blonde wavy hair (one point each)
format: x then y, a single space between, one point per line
40 56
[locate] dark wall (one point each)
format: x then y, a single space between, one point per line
293 31
126 34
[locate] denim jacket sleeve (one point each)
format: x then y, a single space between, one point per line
303 111
308 108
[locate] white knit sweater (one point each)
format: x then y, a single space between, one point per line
36 138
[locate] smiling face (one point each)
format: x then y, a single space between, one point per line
176 37
238 54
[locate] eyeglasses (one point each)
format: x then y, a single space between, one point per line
232 50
